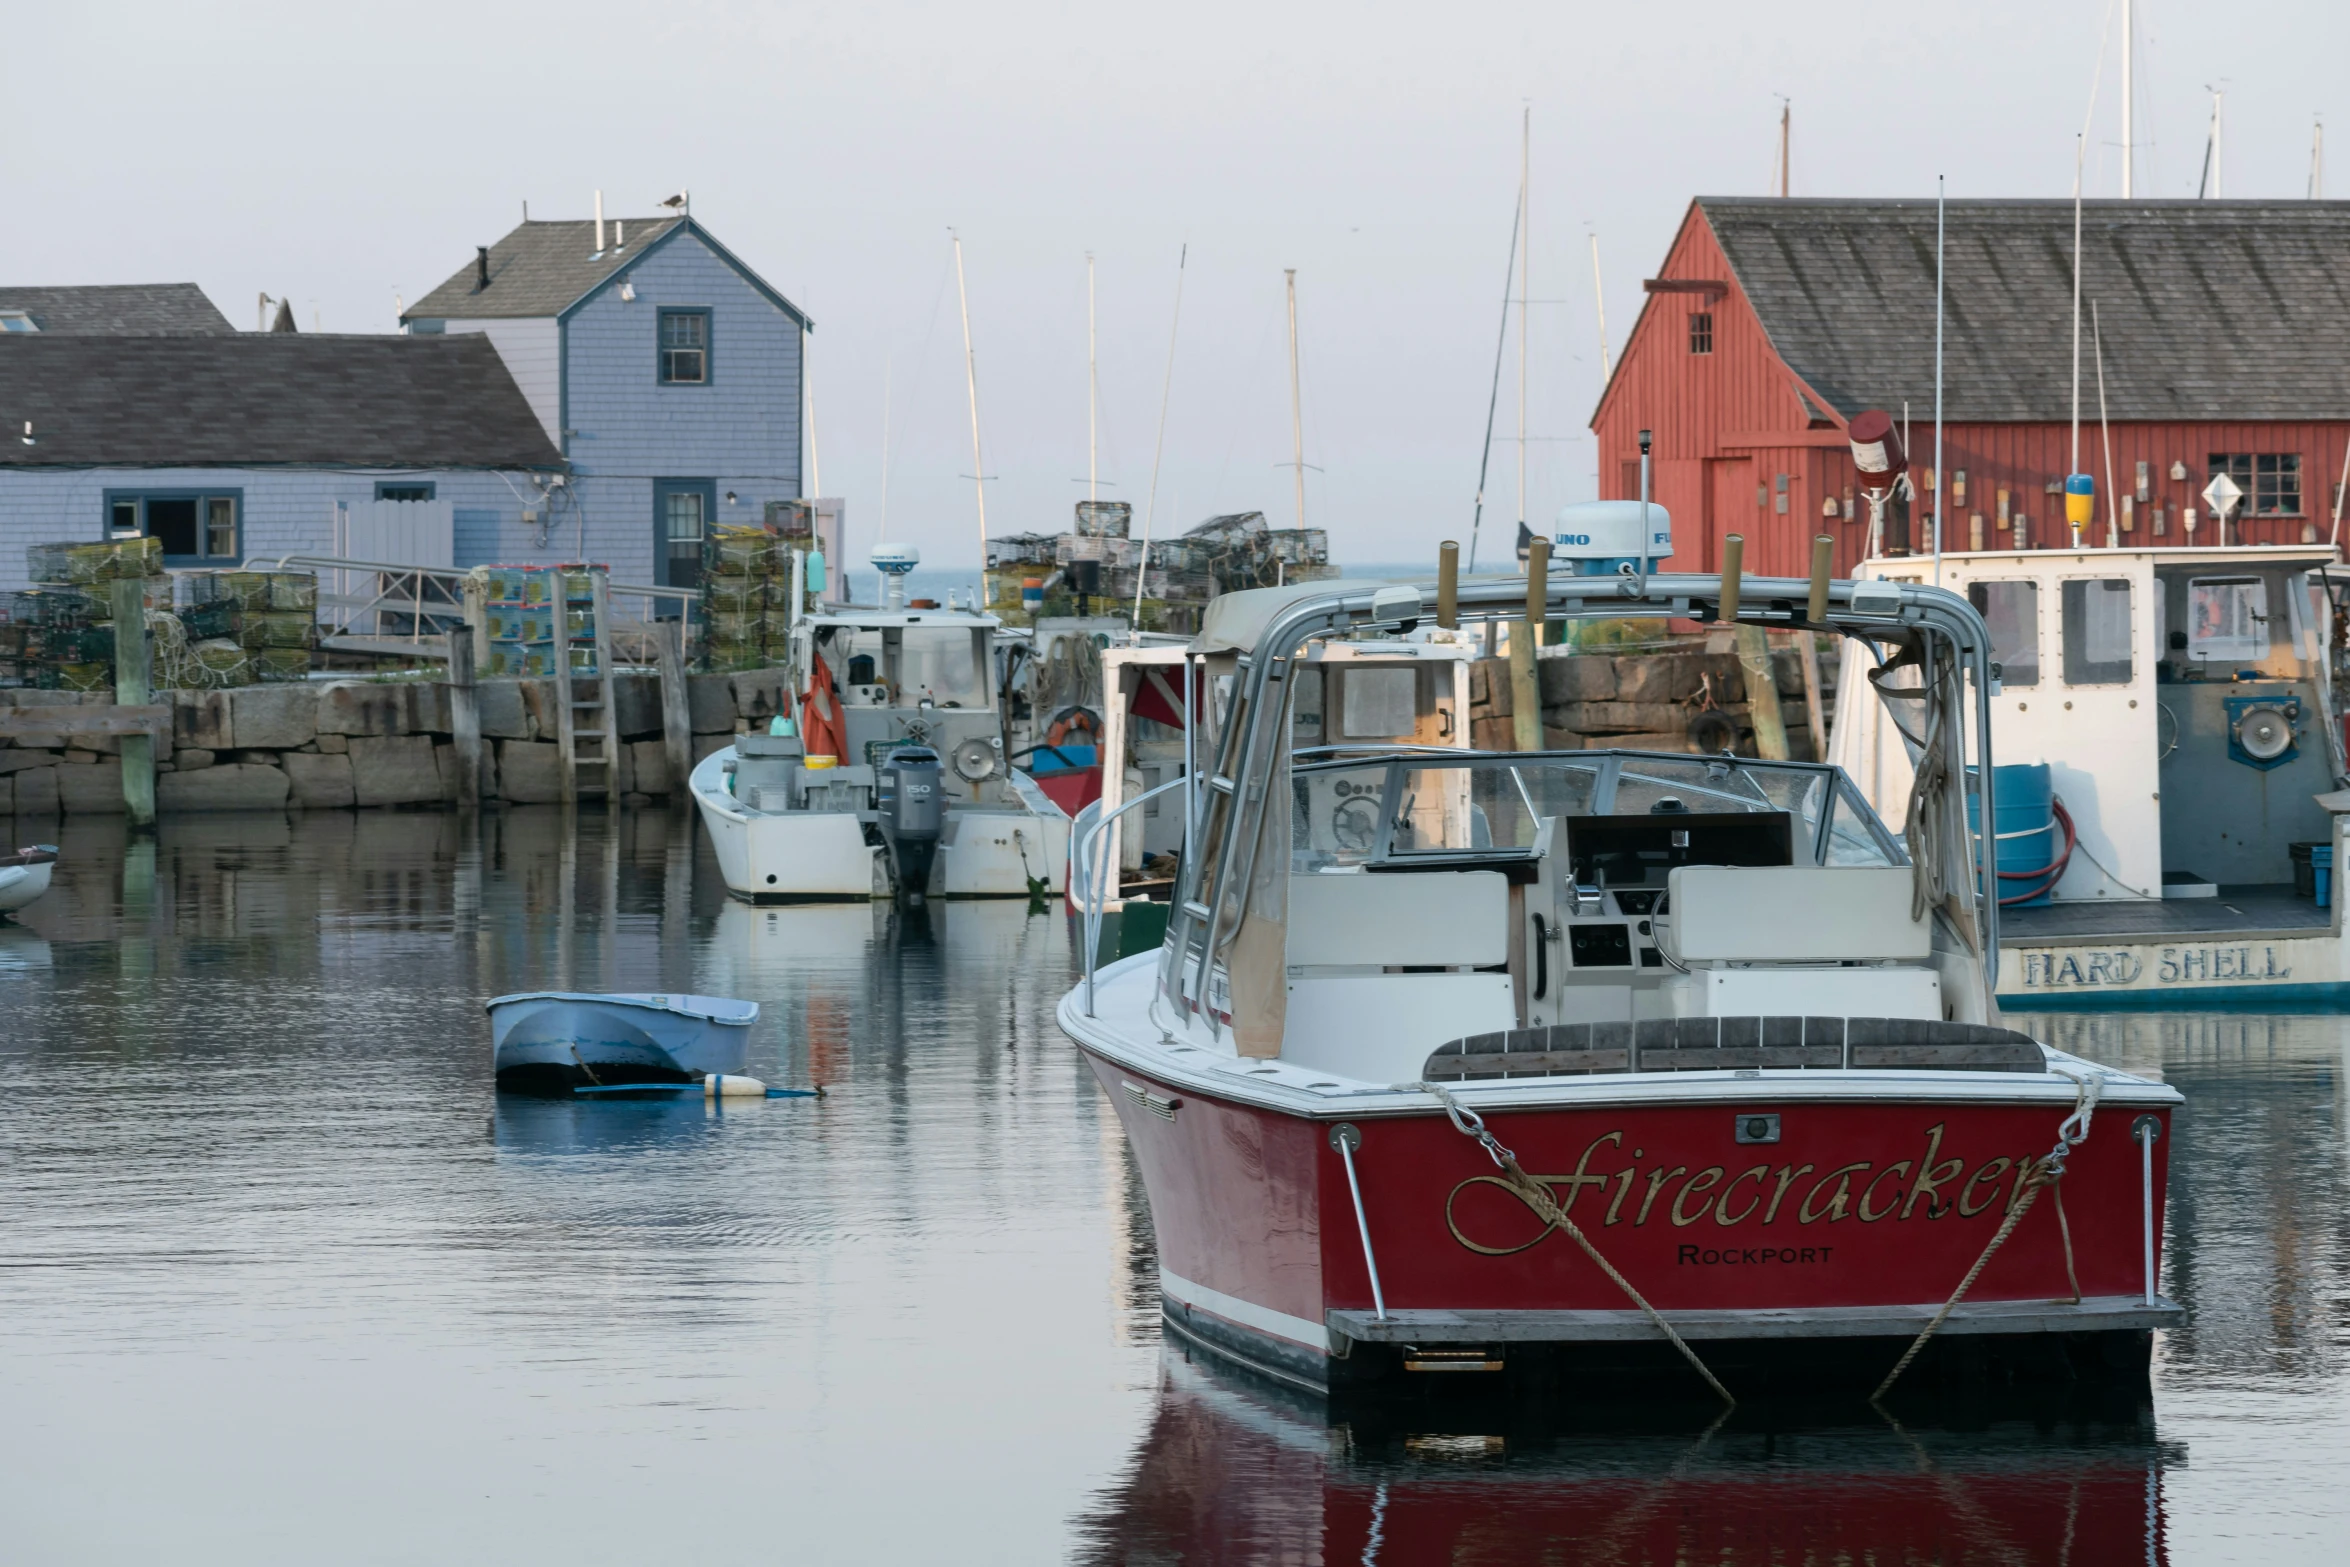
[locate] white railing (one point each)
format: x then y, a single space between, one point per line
404 588
1090 829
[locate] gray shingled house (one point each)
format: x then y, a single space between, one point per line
120 416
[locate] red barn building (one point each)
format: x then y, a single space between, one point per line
1771 323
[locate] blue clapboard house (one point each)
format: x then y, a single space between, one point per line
666 372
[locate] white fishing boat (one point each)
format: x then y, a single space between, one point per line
897 773
2171 807
24 875
554 1040
1522 1062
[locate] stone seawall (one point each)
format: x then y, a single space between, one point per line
344 744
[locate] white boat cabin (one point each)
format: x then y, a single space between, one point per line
2179 697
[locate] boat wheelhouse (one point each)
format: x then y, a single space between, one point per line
2166 722
1467 1061
899 708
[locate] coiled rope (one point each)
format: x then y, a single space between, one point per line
2045 1173
1537 1197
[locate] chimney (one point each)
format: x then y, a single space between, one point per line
599 223
481 267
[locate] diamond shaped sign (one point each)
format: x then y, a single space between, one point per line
2222 494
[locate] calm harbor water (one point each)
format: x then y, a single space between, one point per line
281 1279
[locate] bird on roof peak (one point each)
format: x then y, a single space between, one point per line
681 203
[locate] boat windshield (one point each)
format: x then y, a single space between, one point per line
945 665
1420 809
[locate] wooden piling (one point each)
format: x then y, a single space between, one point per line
1815 713
677 735
134 658
1448 585
1525 642
1762 694
465 717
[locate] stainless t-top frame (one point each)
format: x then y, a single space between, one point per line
1204 920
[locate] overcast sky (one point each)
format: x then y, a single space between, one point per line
341 154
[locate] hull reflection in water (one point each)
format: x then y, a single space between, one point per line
1231 1471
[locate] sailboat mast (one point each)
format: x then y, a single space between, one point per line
1525 255
971 383
1297 424
1093 396
2128 97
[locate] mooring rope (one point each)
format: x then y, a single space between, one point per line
2045 1172
1537 1197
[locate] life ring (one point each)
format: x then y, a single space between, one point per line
1071 718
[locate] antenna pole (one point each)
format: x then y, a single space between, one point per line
2128 95
971 382
1501 343
1151 505
1941 184
2105 431
888 376
1525 260
2317 161
2076 458
1599 298
1786 114
1093 396
1297 424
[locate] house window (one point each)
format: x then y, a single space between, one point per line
196 529
16 321
2097 631
685 347
405 489
1701 331
2271 481
2012 612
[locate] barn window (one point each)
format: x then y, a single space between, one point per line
2271 481
1701 331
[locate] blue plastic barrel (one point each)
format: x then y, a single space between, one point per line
2024 821
2321 862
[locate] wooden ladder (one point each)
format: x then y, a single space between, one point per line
585 724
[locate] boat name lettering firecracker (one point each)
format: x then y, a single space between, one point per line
1746 1034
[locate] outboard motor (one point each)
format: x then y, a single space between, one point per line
913 812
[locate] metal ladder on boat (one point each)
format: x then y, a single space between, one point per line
586 721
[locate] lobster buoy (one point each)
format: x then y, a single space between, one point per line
726 1085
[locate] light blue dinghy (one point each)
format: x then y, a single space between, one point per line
552 1041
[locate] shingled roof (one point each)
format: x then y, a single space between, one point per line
263 399
541 269
2210 309
120 309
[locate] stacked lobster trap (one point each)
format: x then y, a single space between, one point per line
234 628
521 606
747 612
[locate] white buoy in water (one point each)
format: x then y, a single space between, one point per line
728 1086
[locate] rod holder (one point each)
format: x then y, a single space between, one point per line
1733 563
1448 584
1823 550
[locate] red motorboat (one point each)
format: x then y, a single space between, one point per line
1477 1062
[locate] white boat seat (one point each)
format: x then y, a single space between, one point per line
1796 914
1430 919
1723 1044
